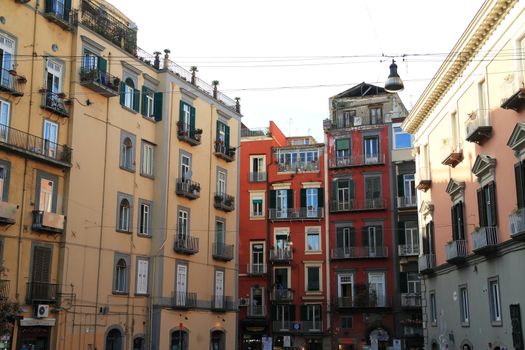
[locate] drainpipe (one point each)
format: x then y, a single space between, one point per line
327 235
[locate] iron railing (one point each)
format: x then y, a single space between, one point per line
53 102
517 223
222 251
296 214
4 289
246 132
366 299
187 188
222 303
281 254
485 237
188 133
11 82
355 205
427 263
281 295
407 202
312 326
408 250
99 81
224 202
258 176
456 250
256 311
224 152
43 292
410 300
357 160
282 326
184 300
101 21
186 244
299 166
359 252
256 269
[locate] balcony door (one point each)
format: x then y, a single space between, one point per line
181 286
221 183
219 289
7 48
4 120
412 237
409 184
312 198
54 81
50 138
343 194
281 244
313 317
283 315
183 225
282 203
258 167
371 149
345 241
185 167
257 257
345 288
257 301
45 202
281 276
372 191
376 283
41 274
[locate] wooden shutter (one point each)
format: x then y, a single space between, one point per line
192 118
144 109
364 237
401 233
292 312
400 185
320 198
157 106
425 242
41 268
352 237
339 237
403 282
227 137
334 193
122 93
289 199
102 64
67 9
520 191
351 190
461 220
136 100
303 197
453 220
217 129
49 5
493 207
304 313
181 112
481 208
272 198
431 242
379 236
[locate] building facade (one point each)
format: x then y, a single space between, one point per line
367 157
468 128
283 284
124 238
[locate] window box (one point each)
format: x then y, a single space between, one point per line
224 202
188 134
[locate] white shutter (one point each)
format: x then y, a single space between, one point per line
219 288
142 276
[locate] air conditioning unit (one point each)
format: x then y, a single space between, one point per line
358 121
42 311
244 302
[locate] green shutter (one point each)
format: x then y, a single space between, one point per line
49 6
401 237
272 196
334 192
289 199
364 237
292 312
157 105
122 93
181 111
217 131
144 109
304 313
320 198
339 237
227 138
351 189
400 185
136 100
303 197
461 220
67 9
342 144
102 64
192 118
379 236
352 237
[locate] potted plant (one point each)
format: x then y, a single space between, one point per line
61 95
22 79
218 198
229 201
198 131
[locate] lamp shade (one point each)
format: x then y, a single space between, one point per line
394 82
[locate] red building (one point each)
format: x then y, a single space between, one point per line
283 253
362 245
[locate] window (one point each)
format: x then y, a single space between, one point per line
346 322
46 192
127 151
281 278
342 148
406 188
257 206
183 223
185 166
312 201
401 138
151 103
257 168
345 241
313 278
129 96
181 284
53 81
114 339
346 119
409 237
219 289
495 304
376 115
221 181
458 221
282 200
311 313
124 212
428 239
371 149
343 194
50 138
222 141
345 289
144 218
256 301
220 231
413 283
7 52
487 205
179 340
282 315
519 176
217 340
313 240
5 167
142 276
148 158
373 192
464 307
257 257
5 108
90 61
298 160
138 343
433 309
377 290
121 273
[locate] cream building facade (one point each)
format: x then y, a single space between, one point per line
125 238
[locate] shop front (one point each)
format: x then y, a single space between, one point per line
35 334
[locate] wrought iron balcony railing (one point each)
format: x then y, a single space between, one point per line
485 239
223 152
256 311
281 295
258 176
517 224
281 254
42 292
410 300
4 289
358 205
184 300
187 188
312 326
188 134
224 202
408 250
298 166
296 214
282 326
407 202
101 21
99 81
255 132
222 303
186 244
223 251
256 269
11 83
44 221
359 252
456 251
55 103
357 160
427 263
366 299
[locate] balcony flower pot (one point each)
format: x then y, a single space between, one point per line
61 95
22 80
198 131
12 72
217 198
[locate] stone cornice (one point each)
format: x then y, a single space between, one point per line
469 44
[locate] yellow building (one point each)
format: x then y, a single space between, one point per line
125 237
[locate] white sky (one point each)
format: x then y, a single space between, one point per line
199 31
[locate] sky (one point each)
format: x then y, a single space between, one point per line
285 58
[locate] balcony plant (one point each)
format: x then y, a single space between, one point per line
228 201
198 131
217 198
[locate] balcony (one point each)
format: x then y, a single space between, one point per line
377 252
298 167
256 269
41 292
224 202
357 160
56 12
281 254
187 188
358 205
34 147
427 263
224 152
478 128
256 311
412 331
456 251
186 244
517 224
223 252
408 250
255 132
99 81
485 239
312 326
342 206
406 202
282 326
12 83
281 295
8 213
4 289
47 222
362 300
296 214
257 176
410 300
184 300
423 181
102 22
451 155
188 134
55 102
221 303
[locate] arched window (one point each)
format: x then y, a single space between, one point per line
217 340
121 276
129 86
138 343
124 211
179 340
127 153
114 340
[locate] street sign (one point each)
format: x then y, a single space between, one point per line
397 344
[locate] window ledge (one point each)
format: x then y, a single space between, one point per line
465 325
143 235
131 110
313 252
120 293
142 294
496 323
152 177
257 218
122 231
148 118
130 170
